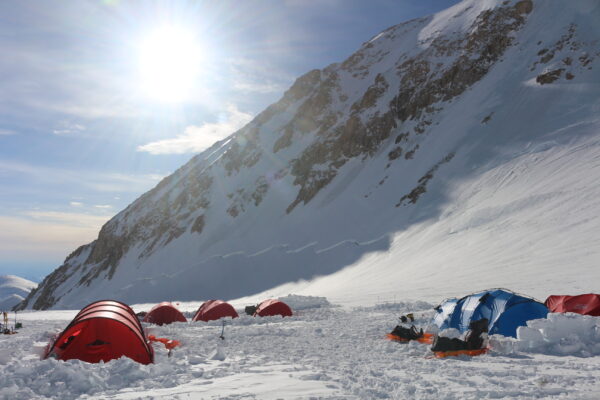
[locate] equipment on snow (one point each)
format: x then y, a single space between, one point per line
170 344
473 344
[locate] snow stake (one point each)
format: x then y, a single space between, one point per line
223 331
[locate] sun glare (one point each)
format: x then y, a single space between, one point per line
169 60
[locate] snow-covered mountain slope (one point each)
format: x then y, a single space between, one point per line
13 290
449 153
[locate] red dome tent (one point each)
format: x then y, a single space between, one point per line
273 307
586 304
163 314
214 309
103 331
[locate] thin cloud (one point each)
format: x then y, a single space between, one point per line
68 128
68 218
252 76
6 132
198 138
76 204
101 182
47 233
103 206
258 87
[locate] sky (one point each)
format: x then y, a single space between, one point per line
99 100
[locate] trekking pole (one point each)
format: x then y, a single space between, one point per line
223 331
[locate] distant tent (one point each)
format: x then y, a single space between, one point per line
272 307
214 309
586 304
103 331
505 311
163 314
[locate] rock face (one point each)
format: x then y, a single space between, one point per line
349 150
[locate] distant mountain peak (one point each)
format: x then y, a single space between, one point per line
13 290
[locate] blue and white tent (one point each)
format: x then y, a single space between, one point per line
505 311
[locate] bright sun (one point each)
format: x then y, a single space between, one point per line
169 59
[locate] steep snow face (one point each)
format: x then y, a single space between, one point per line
13 290
459 148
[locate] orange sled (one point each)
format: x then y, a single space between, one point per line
169 344
427 338
456 353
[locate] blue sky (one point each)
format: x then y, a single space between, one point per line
80 135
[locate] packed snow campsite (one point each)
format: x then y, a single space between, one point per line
351 240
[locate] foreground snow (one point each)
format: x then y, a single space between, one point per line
327 352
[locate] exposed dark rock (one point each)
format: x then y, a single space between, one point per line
198 224
284 140
524 7
395 153
549 77
421 188
262 186
242 197
243 152
410 154
403 137
373 93
233 211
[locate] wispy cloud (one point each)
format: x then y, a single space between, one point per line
81 220
197 138
68 128
76 204
47 233
253 76
6 132
101 182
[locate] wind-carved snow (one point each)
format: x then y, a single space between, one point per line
423 156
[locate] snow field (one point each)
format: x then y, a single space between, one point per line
325 353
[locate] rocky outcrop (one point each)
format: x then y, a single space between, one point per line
423 85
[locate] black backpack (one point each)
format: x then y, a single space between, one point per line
406 333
